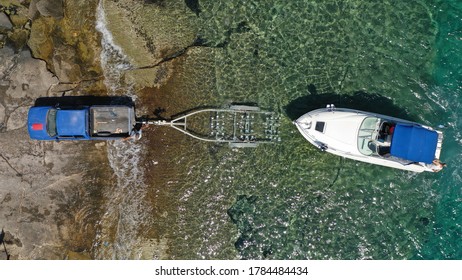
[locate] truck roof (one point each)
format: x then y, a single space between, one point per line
71 122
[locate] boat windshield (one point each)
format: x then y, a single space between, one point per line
51 122
367 134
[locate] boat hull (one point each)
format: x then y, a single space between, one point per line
342 136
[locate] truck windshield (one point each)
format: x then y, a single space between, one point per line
51 122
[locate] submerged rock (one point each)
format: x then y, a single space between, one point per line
48 8
78 256
193 5
148 32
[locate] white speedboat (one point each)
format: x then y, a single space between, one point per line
373 138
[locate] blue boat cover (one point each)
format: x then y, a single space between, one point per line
414 143
71 122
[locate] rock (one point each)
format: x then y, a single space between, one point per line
19 20
10 239
100 145
59 88
46 204
7 59
78 256
33 11
19 38
150 77
17 119
5 21
2 116
40 41
29 78
50 8
65 68
14 24
18 13
68 43
50 192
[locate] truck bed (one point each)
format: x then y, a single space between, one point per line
112 121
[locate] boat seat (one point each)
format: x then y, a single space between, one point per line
383 150
372 146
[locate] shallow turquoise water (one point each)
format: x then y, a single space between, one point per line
290 201
444 240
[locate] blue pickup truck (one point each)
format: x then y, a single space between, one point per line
99 122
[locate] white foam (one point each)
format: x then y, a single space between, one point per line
113 60
101 26
125 207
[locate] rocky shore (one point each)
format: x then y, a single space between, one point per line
49 192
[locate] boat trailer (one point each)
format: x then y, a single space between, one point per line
239 125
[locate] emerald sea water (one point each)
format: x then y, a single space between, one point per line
290 200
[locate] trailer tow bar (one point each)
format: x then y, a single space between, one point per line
239 125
